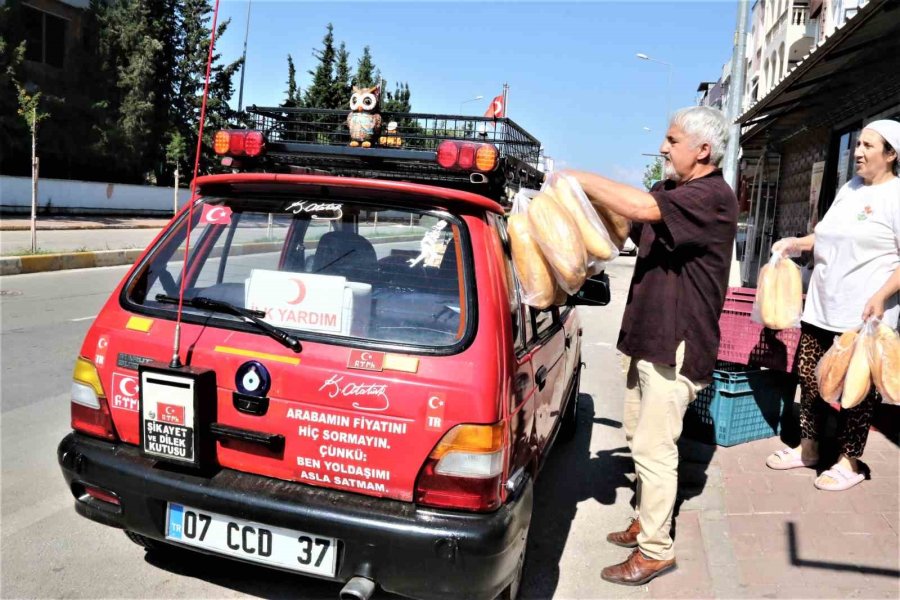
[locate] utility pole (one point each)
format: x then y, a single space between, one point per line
735 93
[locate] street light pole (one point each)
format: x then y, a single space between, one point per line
244 58
735 94
479 97
643 56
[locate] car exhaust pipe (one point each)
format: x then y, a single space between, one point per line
358 588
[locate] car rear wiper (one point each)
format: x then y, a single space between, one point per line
253 316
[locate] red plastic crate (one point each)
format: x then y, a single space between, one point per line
746 342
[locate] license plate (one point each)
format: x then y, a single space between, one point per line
275 546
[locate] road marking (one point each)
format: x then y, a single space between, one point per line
83 318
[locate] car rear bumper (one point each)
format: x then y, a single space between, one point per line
407 550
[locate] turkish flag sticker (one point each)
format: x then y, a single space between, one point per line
170 413
215 215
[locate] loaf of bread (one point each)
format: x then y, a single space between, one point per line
560 298
560 239
596 244
531 266
858 380
780 294
618 226
833 366
884 359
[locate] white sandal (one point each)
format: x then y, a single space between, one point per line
788 458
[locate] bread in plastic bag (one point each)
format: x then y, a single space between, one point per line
538 283
858 380
883 351
559 238
779 294
568 193
832 367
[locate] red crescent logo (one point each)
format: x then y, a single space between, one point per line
125 384
301 292
170 410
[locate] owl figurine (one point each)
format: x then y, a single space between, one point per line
364 120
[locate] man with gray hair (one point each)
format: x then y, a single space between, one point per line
684 229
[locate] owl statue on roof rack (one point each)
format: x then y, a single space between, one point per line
364 120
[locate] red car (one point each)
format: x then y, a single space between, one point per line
359 394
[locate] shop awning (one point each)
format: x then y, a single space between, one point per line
855 69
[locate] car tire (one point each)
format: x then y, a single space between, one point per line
569 422
145 542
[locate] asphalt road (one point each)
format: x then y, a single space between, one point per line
50 552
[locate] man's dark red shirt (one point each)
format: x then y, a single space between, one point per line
681 275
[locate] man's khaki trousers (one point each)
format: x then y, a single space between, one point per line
656 398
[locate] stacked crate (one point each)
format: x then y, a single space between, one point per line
753 383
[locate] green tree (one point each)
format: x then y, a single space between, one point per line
653 172
342 77
321 92
367 74
398 100
13 133
190 73
293 92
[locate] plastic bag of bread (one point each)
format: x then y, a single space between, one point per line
532 269
883 350
559 238
618 228
832 367
858 380
568 193
779 294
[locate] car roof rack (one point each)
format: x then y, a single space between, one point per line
313 140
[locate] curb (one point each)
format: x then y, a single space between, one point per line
17 265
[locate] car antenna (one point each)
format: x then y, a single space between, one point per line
176 360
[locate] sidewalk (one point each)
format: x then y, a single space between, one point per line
747 531
70 242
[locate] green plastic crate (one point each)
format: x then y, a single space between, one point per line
740 406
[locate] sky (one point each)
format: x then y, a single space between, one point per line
575 82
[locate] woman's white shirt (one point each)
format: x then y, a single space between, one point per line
857 249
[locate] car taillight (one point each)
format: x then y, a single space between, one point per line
90 410
465 469
447 153
239 142
486 157
467 156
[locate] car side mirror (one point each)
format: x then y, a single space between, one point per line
594 292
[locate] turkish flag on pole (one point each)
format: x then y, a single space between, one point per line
496 110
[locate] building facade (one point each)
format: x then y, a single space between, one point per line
816 73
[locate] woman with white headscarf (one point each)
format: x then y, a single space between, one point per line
856 276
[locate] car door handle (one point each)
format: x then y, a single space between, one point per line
541 377
568 341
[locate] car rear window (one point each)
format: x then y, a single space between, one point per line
338 268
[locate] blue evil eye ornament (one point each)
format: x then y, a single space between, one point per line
252 379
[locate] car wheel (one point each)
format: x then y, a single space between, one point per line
147 543
569 420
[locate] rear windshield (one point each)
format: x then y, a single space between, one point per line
343 269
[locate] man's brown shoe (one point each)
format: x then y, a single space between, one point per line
627 538
637 570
